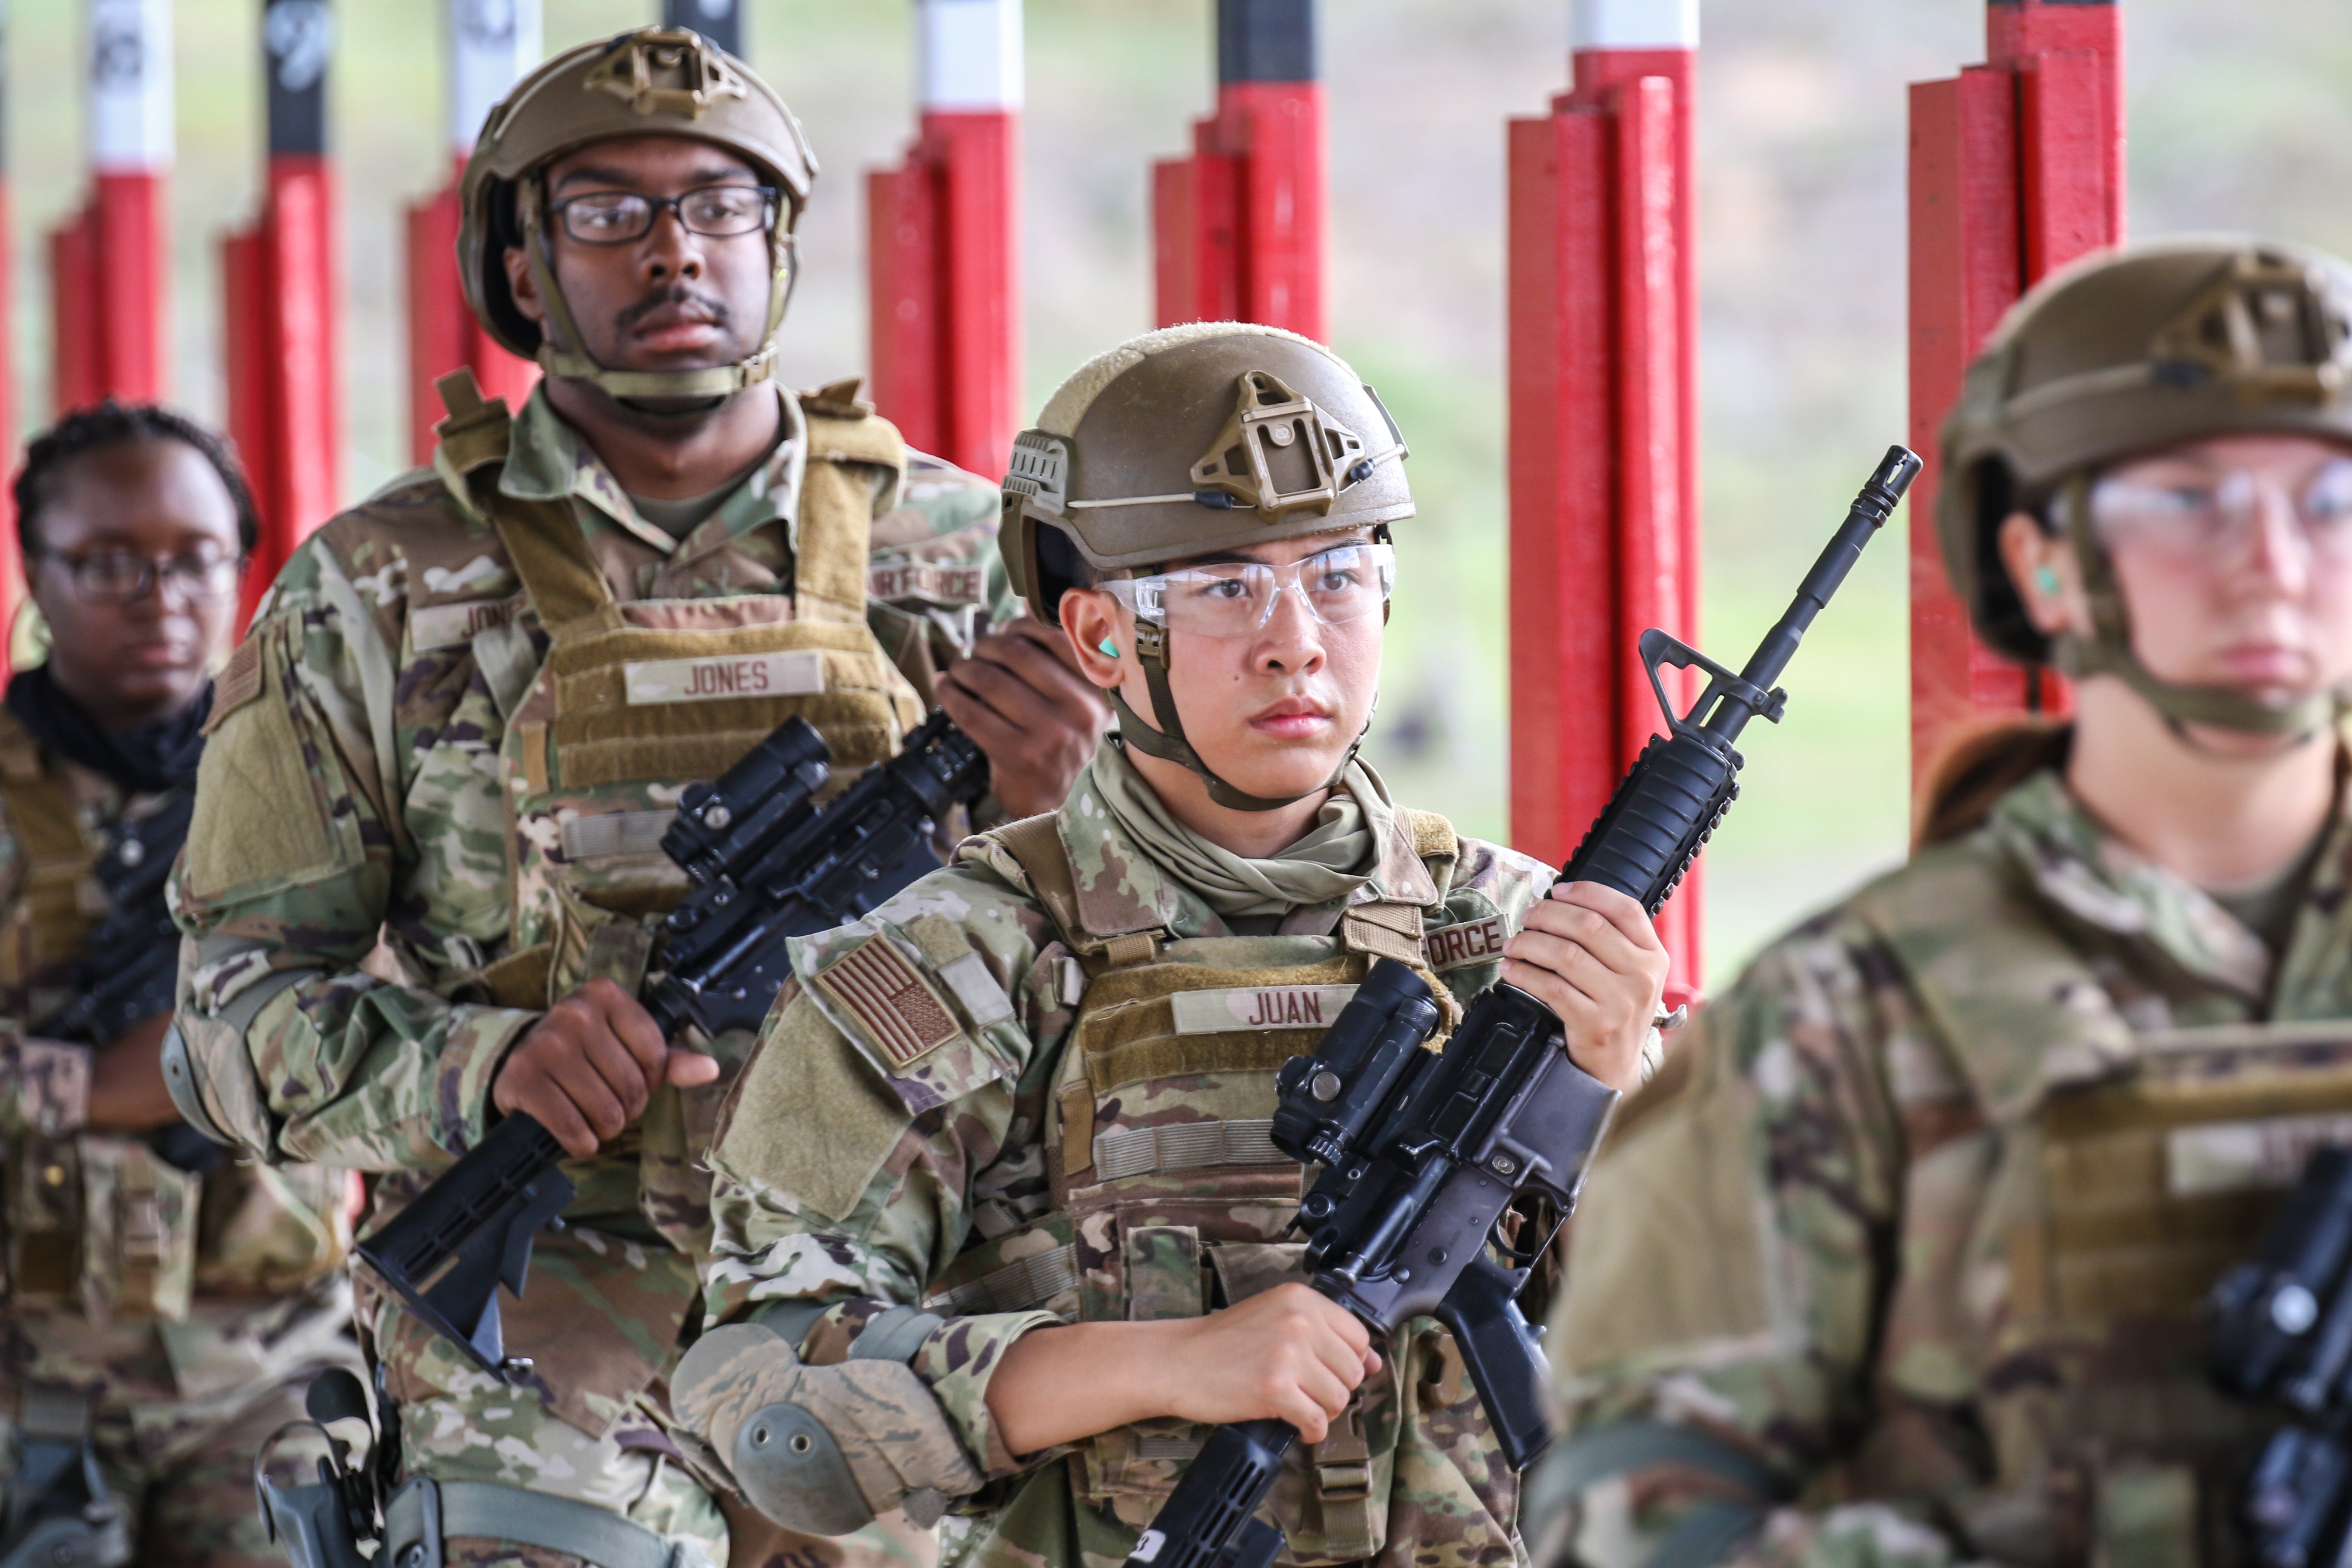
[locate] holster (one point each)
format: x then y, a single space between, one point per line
61 1513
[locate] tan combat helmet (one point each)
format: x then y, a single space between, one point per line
2115 357
1185 441
651 82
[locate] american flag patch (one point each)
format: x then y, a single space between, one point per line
888 995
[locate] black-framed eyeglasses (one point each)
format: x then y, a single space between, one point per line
619 217
122 576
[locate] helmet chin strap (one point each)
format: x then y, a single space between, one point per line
2109 652
1167 743
720 381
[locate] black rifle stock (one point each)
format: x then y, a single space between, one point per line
766 862
1446 1175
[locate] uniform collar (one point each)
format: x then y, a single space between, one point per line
2074 863
1123 890
548 459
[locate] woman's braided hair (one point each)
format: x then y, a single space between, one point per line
113 423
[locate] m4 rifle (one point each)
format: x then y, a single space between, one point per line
766 862
1446 1175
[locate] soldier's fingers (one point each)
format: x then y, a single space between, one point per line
988 728
586 1082
1047 634
602 1053
1584 928
1011 693
692 1070
1329 1389
1567 1003
630 1023
1342 1360
1049 669
1625 913
1301 1409
539 1098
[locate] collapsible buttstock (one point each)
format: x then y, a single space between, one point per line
1207 1521
446 1253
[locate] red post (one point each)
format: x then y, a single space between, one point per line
1238 227
1603 424
12 564
492 44
2017 167
943 255
285 403
108 264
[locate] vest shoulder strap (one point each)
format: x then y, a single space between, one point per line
1433 837
1035 844
476 430
833 545
541 538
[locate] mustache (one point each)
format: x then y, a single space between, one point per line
675 294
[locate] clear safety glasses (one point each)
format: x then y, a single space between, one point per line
2216 514
1235 600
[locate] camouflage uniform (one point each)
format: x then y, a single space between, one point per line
424 758
1030 1089
1909 1240
185 1310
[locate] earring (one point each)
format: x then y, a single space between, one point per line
2046 581
1110 648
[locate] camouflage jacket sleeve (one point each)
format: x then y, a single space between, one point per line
894 1107
304 844
1732 1251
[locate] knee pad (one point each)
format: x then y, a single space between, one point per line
820 1448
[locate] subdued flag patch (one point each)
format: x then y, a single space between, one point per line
887 993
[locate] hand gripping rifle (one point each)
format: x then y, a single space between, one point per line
766 862
1430 1158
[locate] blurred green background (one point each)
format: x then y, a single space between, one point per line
2240 117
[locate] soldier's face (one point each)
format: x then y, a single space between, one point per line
1272 712
131 659
2234 556
669 300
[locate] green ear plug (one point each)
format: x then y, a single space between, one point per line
1108 648
2046 580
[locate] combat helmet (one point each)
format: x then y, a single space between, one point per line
651 80
1186 441
2121 354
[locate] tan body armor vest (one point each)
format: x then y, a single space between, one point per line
2104 1198
631 702
1169 1196
636 701
97 1223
